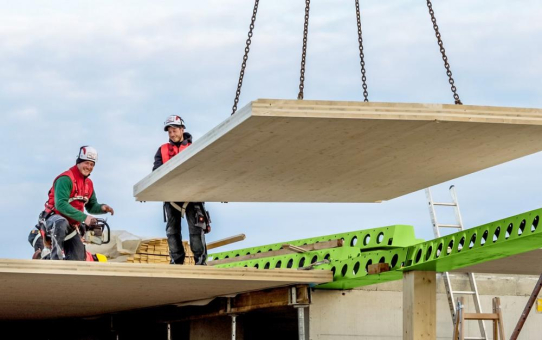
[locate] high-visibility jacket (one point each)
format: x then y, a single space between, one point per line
169 150
82 189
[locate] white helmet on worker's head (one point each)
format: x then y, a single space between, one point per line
175 121
87 153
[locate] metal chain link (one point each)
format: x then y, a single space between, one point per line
304 54
443 51
245 57
361 55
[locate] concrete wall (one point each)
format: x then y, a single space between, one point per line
375 312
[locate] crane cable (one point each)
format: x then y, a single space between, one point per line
245 57
443 51
304 52
361 55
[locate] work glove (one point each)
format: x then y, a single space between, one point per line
90 220
108 209
208 229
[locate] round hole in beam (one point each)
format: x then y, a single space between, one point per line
439 250
290 263
535 224
394 260
484 237
353 241
356 268
380 238
382 260
278 264
256 266
509 231
496 234
267 265
314 259
344 270
366 239
521 227
301 262
418 255
428 254
450 247
472 241
461 244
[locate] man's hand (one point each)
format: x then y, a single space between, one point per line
108 209
208 229
90 220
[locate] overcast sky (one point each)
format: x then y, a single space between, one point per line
108 73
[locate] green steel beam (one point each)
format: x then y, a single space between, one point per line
396 236
491 241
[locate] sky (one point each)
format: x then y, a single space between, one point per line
108 73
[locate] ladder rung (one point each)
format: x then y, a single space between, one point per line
464 292
481 316
446 204
448 226
474 338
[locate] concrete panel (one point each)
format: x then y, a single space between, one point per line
322 151
369 314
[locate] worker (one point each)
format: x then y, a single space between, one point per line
71 193
195 213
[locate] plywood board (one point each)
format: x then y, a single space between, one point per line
33 289
324 151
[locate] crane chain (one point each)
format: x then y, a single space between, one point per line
304 53
443 51
361 55
245 57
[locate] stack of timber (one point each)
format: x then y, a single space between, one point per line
156 251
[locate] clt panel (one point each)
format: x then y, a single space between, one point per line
33 289
330 151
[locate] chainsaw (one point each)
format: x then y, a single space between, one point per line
96 232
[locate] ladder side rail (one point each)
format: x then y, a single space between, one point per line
477 304
432 213
456 207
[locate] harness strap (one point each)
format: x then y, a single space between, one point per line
181 209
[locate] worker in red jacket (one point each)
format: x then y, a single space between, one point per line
195 213
71 193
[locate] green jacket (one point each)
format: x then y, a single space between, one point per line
63 189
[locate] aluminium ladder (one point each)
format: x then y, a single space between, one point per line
446 276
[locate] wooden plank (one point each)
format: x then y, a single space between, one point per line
113 287
293 248
378 268
481 316
307 247
322 151
419 305
225 241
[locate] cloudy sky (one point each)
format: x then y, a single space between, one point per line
108 73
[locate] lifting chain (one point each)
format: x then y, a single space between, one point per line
245 57
304 54
361 55
443 51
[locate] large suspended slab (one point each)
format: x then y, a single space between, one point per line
33 289
329 151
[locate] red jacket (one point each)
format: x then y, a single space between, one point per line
82 190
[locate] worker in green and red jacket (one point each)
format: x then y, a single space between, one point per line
72 192
195 213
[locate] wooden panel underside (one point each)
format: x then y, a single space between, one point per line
311 151
528 263
53 289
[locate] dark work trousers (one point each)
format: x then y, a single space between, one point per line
73 249
174 238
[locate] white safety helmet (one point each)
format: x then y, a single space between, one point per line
87 153
173 120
